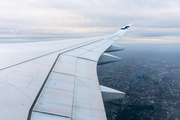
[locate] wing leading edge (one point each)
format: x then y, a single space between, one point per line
55 82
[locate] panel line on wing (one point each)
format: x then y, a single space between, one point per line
58 51
50 114
87 59
63 73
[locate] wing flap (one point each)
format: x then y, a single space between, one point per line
87 94
57 96
65 64
71 93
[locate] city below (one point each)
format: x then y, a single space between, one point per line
150 79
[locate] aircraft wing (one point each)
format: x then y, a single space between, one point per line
56 80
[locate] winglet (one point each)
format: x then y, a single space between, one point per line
127 26
122 31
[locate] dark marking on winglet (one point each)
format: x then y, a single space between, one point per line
126 27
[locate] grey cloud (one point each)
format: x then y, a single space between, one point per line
77 18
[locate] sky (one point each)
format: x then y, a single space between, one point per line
154 21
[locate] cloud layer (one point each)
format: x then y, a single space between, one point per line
77 18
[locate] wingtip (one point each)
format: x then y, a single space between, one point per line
127 26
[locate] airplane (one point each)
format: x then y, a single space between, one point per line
57 80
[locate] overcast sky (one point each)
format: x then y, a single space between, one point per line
154 21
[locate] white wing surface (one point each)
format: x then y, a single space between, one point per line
55 80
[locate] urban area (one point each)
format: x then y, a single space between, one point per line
151 81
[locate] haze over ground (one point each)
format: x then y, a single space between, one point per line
31 20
